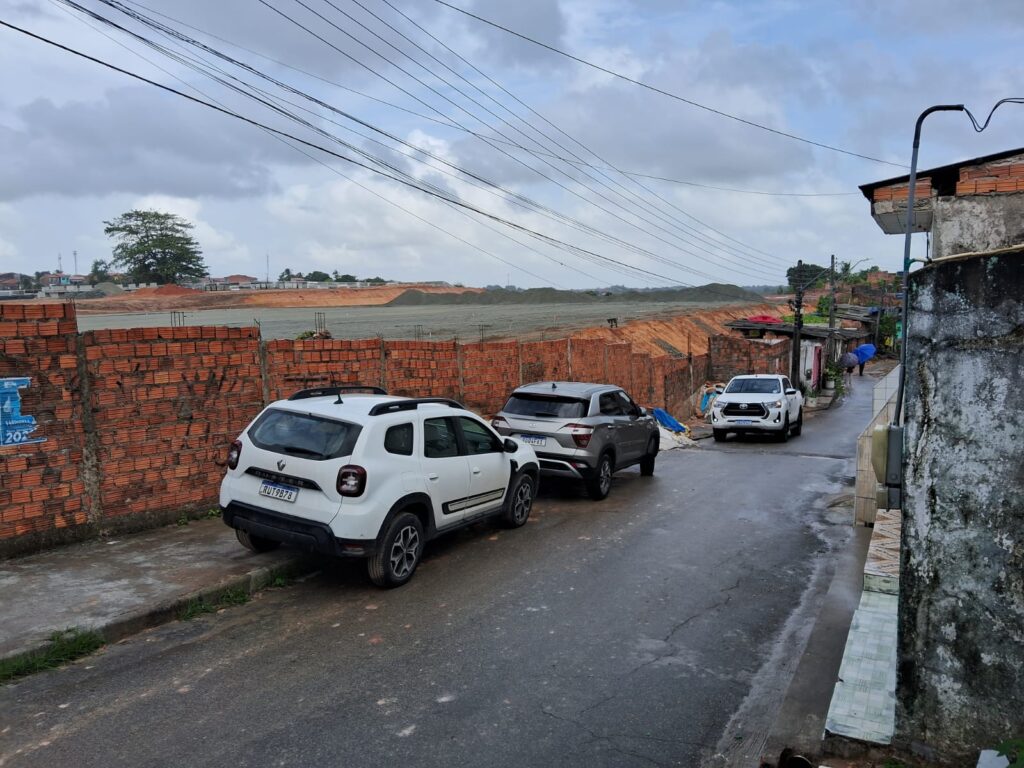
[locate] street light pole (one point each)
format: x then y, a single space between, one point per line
798 324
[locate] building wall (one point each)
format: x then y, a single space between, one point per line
961 646
734 355
137 421
971 223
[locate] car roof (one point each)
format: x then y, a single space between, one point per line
353 406
565 388
760 376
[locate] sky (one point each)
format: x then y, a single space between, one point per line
500 119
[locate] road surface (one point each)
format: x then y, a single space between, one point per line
659 627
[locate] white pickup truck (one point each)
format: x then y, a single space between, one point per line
758 403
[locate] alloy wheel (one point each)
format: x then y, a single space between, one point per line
522 502
405 551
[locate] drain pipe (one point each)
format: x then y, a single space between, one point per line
906 249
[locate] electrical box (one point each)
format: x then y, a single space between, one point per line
887 461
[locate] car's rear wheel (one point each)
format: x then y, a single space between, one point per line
395 561
647 462
799 426
783 435
520 502
599 485
719 435
255 543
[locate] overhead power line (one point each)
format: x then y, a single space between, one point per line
663 92
284 134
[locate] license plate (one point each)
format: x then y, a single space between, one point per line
278 491
744 421
534 439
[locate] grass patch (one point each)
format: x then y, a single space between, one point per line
198 606
281 581
65 646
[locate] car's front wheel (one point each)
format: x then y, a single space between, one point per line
394 563
719 435
599 485
783 434
647 462
520 502
255 543
799 426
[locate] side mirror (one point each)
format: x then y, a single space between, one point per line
790 391
509 445
641 411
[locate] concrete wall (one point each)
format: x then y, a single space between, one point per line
977 223
883 407
961 668
136 422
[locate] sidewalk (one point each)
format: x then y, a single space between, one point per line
122 585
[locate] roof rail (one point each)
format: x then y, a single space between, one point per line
412 404
302 394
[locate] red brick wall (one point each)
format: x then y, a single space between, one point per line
733 356
137 422
166 403
1000 176
41 486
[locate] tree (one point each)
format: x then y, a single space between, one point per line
345 278
285 276
318 277
806 276
100 272
155 247
376 280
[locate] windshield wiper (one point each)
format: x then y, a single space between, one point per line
300 450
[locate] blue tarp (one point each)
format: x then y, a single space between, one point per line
864 352
667 421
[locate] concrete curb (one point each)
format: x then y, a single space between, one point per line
166 611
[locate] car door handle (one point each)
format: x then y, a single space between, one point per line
432 476
476 470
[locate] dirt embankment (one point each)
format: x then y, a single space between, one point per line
681 333
163 300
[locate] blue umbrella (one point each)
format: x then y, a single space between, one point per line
864 352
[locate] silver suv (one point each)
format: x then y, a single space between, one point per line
581 431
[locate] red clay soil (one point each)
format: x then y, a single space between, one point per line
686 332
163 300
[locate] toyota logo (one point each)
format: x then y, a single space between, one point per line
280 464
743 406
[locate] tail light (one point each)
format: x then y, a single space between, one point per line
351 480
234 454
499 423
581 434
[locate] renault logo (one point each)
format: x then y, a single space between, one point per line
280 464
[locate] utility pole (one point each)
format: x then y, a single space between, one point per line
830 347
798 324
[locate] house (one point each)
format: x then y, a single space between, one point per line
960 605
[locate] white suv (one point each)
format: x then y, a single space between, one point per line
758 403
372 476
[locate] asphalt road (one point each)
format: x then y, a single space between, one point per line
660 627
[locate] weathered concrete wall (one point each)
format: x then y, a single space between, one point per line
977 223
961 673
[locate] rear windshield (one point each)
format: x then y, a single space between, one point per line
754 386
302 434
546 406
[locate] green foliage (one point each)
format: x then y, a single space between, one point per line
100 272
887 326
305 335
183 520
376 280
65 646
1012 750
837 373
285 276
806 276
199 606
345 278
155 247
318 277
824 305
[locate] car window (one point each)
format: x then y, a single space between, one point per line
610 405
439 441
522 404
628 406
302 434
398 439
479 439
786 384
753 386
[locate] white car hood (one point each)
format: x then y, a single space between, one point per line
748 397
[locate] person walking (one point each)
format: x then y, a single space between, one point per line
863 353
